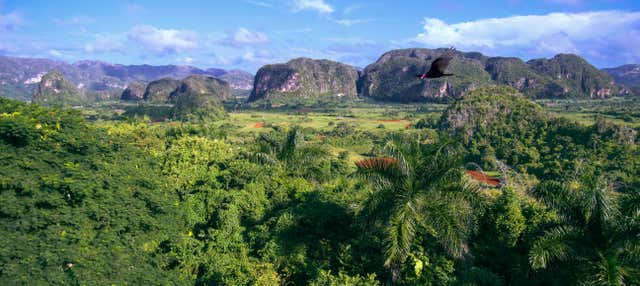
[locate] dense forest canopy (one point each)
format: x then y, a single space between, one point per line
118 199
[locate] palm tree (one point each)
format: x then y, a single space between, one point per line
418 189
599 238
292 153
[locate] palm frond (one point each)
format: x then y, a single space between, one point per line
596 202
293 140
268 139
551 193
309 154
553 245
401 232
377 163
373 169
262 158
405 149
607 271
442 165
630 205
451 216
379 202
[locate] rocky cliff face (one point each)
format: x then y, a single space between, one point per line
159 91
391 78
200 93
516 73
305 77
54 89
574 77
134 92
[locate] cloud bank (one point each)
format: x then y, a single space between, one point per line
163 41
602 35
314 5
243 36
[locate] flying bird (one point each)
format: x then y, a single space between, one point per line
439 66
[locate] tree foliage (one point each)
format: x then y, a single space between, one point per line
130 201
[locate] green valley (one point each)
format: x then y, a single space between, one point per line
321 192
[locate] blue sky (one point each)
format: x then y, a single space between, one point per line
247 34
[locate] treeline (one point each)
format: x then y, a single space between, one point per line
198 204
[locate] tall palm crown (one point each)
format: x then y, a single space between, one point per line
601 239
418 190
292 152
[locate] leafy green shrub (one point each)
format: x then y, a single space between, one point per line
17 130
327 279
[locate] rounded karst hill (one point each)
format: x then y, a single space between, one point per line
198 93
54 89
134 91
516 73
159 91
305 77
493 109
392 76
575 77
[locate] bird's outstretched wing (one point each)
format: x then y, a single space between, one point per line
442 62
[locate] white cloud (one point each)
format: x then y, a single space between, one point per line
242 36
351 22
259 3
163 40
314 5
259 57
536 34
55 53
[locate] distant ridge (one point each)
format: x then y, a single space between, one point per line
563 76
391 77
387 79
628 75
20 76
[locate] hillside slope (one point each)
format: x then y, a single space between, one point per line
305 77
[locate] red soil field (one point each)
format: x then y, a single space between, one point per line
258 125
391 120
482 177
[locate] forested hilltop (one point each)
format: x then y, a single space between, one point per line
493 189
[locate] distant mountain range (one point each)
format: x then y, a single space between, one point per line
628 75
19 76
390 78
